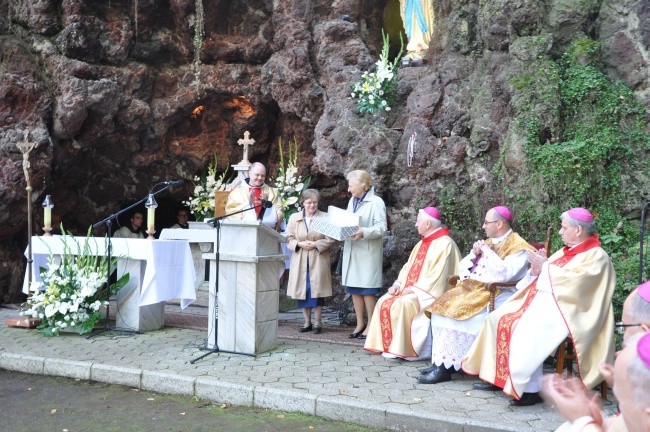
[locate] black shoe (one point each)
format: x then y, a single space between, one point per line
527 399
355 335
428 370
318 329
485 386
433 367
305 329
438 375
362 337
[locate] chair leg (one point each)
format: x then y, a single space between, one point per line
603 390
559 356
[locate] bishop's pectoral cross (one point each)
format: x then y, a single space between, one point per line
246 141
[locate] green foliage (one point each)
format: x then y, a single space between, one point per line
586 159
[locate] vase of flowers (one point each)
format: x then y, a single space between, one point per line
375 91
202 203
288 182
74 287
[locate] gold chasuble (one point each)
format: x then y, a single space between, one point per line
581 283
470 297
399 326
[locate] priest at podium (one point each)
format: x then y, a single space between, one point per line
250 193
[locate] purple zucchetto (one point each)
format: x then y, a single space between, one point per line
644 291
433 212
643 349
580 214
504 212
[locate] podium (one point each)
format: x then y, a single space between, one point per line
248 288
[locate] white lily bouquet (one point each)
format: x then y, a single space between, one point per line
73 290
202 203
288 182
375 91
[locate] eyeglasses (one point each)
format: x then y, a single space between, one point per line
489 222
620 327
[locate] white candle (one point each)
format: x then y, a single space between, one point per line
47 216
151 219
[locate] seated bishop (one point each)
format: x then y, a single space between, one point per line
568 294
457 316
399 327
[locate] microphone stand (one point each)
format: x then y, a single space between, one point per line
108 222
641 235
216 223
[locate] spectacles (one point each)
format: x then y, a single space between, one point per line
489 222
620 327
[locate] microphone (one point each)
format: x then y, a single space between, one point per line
266 203
174 183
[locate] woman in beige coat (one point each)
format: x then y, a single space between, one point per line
310 277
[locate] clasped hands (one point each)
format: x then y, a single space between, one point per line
396 289
307 245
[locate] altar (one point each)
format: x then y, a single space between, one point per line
159 270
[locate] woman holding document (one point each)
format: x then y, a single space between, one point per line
310 277
363 251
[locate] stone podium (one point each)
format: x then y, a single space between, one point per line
247 291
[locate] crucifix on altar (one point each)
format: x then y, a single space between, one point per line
243 166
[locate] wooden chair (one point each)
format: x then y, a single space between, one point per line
492 287
565 355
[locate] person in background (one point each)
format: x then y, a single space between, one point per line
133 229
399 327
565 393
310 277
182 216
363 252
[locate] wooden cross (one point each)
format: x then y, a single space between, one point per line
246 141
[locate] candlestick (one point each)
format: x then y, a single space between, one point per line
151 206
47 214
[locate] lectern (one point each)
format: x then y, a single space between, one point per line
247 287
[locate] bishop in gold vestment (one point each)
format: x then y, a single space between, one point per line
570 294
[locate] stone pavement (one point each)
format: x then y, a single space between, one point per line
332 380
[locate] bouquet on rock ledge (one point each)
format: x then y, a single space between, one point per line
288 182
202 203
375 91
74 288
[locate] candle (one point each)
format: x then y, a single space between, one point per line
151 219
47 216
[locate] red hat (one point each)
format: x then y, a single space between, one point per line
433 212
580 214
504 212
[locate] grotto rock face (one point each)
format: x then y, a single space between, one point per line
117 95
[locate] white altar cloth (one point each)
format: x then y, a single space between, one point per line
169 271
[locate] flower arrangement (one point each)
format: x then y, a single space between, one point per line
74 288
375 90
288 182
202 204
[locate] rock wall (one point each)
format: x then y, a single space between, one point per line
117 96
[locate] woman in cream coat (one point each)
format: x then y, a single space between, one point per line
363 252
310 277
